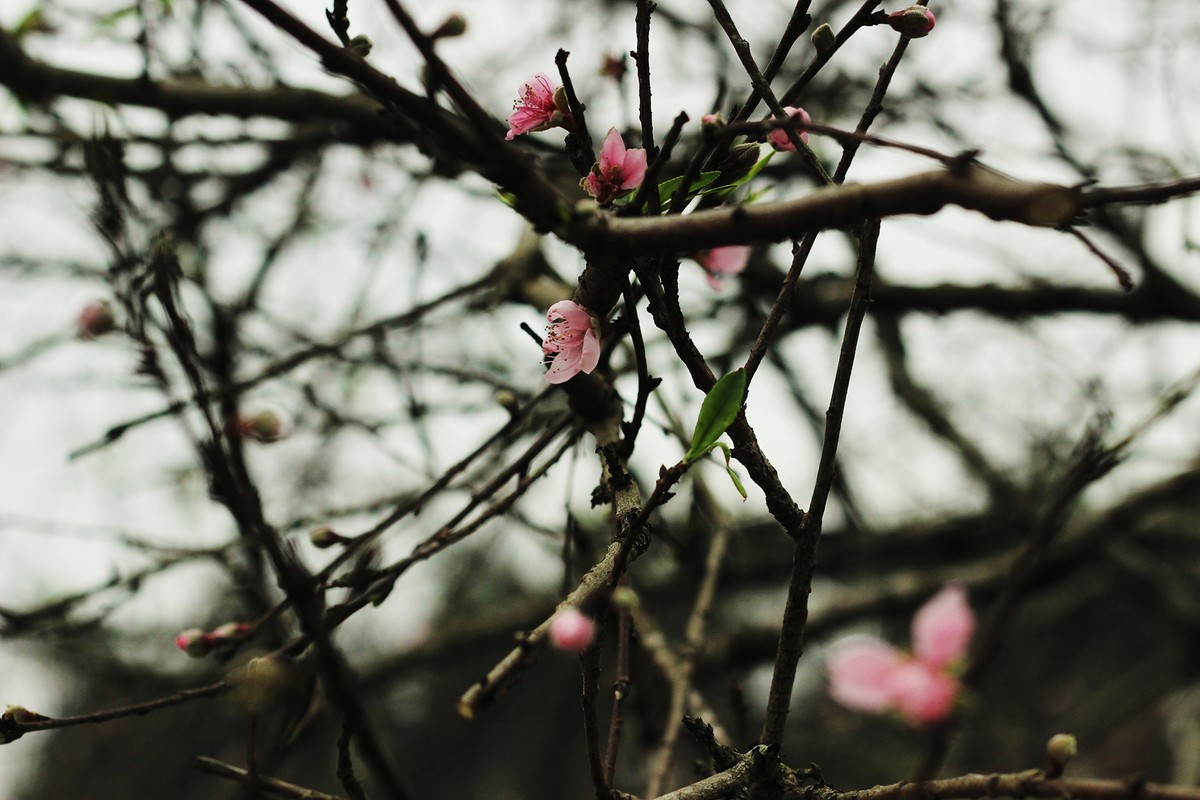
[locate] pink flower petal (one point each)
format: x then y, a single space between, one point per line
590 354
922 694
575 315
942 628
860 673
633 169
612 152
729 260
564 366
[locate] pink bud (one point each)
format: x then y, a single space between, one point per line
571 631
96 319
779 139
913 22
194 642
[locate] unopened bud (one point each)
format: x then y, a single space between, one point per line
913 22
23 715
712 120
823 38
361 46
194 642
455 25
229 630
96 319
508 400
1061 748
262 683
741 159
625 597
571 630
13 716
325 537
264 427
613 66
561 103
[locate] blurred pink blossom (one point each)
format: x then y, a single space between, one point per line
867 674
540 106
721 261
571 630
619 171
572 340
779 139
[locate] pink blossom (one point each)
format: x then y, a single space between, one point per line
618 172
942 628
867 674
923 694
913 22
571 630
860 673
721 261
572 342
541 106
778 138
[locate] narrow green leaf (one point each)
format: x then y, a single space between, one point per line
733 476
717 413
508 198
727 188
667 188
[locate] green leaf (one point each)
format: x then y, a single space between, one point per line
717 413
727 188
508 198
733 476
667 189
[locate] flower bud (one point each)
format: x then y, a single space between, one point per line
741 159
96 319
22 715
263 682
571 630
1061 748
823 38
264 427
455 25
13 716
325 537
712 120
562 104
508 400
913 22
229 630
194 642
613 66
361 46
